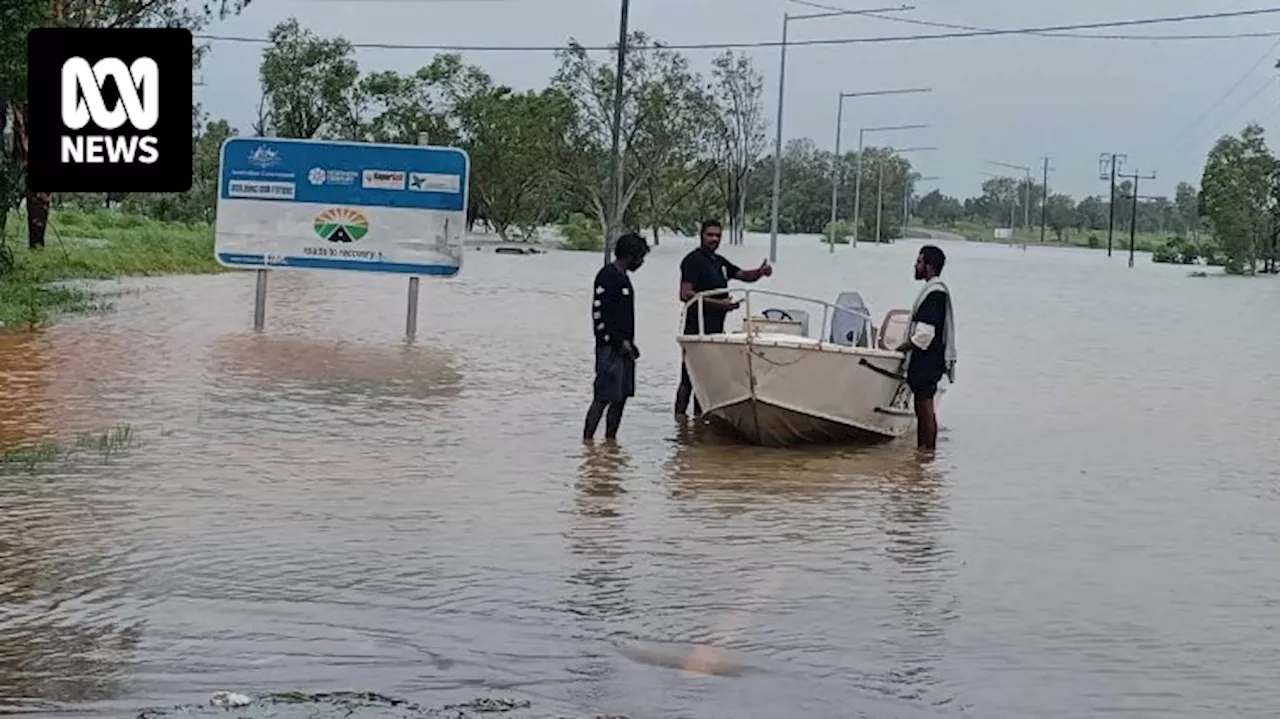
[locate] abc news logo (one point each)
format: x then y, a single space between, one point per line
113 114
82 103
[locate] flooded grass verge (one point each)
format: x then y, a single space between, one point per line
100 446
363 705
91 246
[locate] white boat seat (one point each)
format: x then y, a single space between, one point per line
893 331
789 315
849 323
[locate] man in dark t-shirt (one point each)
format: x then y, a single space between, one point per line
701 270
613 321
927 343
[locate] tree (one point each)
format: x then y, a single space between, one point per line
938 210
308 84
1239 176
664 106
512 139
1059 214
740 131
1186 200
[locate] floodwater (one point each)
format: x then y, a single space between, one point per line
323 508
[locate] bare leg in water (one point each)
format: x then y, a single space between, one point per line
685 393
926 424
613 419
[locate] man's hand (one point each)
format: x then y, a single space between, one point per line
635 352
765 269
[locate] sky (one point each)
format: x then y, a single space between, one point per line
1010 99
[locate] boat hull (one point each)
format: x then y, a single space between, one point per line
778 390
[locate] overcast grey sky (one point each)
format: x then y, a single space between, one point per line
1010 99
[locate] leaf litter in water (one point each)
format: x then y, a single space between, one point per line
356 705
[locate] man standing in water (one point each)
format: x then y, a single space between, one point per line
701 270
613 318
931 343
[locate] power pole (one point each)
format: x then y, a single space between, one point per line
1110 163
1044 200
1133 220
614 222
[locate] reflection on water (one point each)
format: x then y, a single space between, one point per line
323 507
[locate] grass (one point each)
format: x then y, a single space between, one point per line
93 246
1095 239
105 445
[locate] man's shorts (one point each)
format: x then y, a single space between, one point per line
615 374
924 382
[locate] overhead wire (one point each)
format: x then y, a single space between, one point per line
1182 133
1078 36
986 32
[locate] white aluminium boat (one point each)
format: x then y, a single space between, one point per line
776 383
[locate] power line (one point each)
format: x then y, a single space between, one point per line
1218 103
1247 101
957 26
793 43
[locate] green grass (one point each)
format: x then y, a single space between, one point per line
93 246
1094 239
103 445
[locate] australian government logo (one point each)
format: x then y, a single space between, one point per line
110 109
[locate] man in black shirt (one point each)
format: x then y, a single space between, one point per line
930 343
613 319
701 270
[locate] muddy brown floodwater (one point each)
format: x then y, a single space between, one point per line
322 508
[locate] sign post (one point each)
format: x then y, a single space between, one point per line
359 207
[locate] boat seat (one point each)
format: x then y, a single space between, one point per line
792 315
848 324
893 331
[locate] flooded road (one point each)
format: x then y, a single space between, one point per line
322 508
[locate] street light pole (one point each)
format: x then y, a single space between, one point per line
880 185
837 161
615 159
857 181
782 87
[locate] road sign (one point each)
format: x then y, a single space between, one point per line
362 207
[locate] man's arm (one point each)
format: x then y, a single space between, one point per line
737 273
609 311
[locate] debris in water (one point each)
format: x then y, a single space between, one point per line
356 705
228 699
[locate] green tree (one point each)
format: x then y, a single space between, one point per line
308 84
664 107
938 210
1060 214
1239 176
513 140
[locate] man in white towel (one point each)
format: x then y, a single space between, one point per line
930 345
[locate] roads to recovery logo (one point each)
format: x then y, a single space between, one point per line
110 110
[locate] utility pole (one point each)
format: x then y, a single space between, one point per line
1044 200
1110 163
1133 221
615 159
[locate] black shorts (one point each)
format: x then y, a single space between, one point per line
615 374
924 382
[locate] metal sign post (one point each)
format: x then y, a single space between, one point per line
411 312
260 302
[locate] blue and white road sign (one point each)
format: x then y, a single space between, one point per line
309 204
